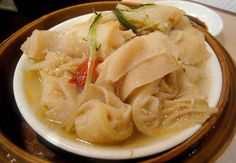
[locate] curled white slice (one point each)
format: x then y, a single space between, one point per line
137 51
181 114
168 87
146 113
147 72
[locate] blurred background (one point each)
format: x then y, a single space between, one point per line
16 13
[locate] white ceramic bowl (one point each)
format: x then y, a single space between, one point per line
152 146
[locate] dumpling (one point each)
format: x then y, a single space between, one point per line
98 122
168 105
57 97
102 117
146 113
146 108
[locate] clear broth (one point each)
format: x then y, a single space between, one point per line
33 92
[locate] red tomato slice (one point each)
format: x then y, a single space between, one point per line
79 77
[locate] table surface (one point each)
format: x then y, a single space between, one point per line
15 20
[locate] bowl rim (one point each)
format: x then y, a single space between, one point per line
26 30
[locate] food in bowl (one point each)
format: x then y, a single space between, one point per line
134 70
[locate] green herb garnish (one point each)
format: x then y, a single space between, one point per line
92 33
124 21
94 47
120 14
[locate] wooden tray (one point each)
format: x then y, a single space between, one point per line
18 142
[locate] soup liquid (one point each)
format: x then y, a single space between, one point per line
33 92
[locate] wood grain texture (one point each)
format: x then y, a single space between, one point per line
20 141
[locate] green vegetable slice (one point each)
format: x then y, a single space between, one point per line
94 47
92 33
124 21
